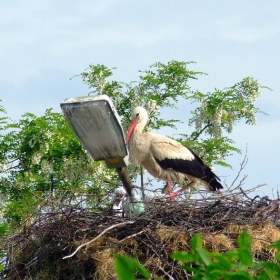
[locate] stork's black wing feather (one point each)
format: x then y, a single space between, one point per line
194 167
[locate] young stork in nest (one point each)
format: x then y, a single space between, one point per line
165 158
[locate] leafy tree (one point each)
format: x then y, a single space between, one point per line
40 158
163 85
42 161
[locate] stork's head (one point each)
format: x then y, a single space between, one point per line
139 116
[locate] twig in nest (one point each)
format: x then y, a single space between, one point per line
87 243
133 235
242 166
167 274
245 194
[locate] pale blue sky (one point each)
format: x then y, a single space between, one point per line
44 43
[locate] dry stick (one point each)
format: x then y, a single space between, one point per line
245 194
142 182
227 195
107 229
167 274
242 166
133 235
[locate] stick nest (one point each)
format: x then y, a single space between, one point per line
39 250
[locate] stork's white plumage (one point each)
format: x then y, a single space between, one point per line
165 158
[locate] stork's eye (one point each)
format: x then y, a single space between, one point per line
137 115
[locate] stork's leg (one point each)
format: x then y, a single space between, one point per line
181 190
170 193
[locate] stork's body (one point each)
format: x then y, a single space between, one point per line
165 158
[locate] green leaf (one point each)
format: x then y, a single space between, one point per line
125 267
263 275
184 257
143 271
239 275
245 257
196 242
275 245
231 255
221 262
272 269
244 241
192 269
214 273
256 266
277 257
3 229
205 255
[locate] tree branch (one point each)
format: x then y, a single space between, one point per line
200 132
242 166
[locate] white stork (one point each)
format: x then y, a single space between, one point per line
165 158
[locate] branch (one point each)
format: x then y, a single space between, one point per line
87 243
142 182
242 166
167 274
133 235
200 132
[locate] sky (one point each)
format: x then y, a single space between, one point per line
45 43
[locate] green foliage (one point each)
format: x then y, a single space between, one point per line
127 267
216 116
164 85
40 157
159 87
230 265
207 265
212 150
276 246
3 120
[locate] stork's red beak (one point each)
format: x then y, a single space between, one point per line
130 130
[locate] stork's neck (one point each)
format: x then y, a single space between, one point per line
139 129
138 146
